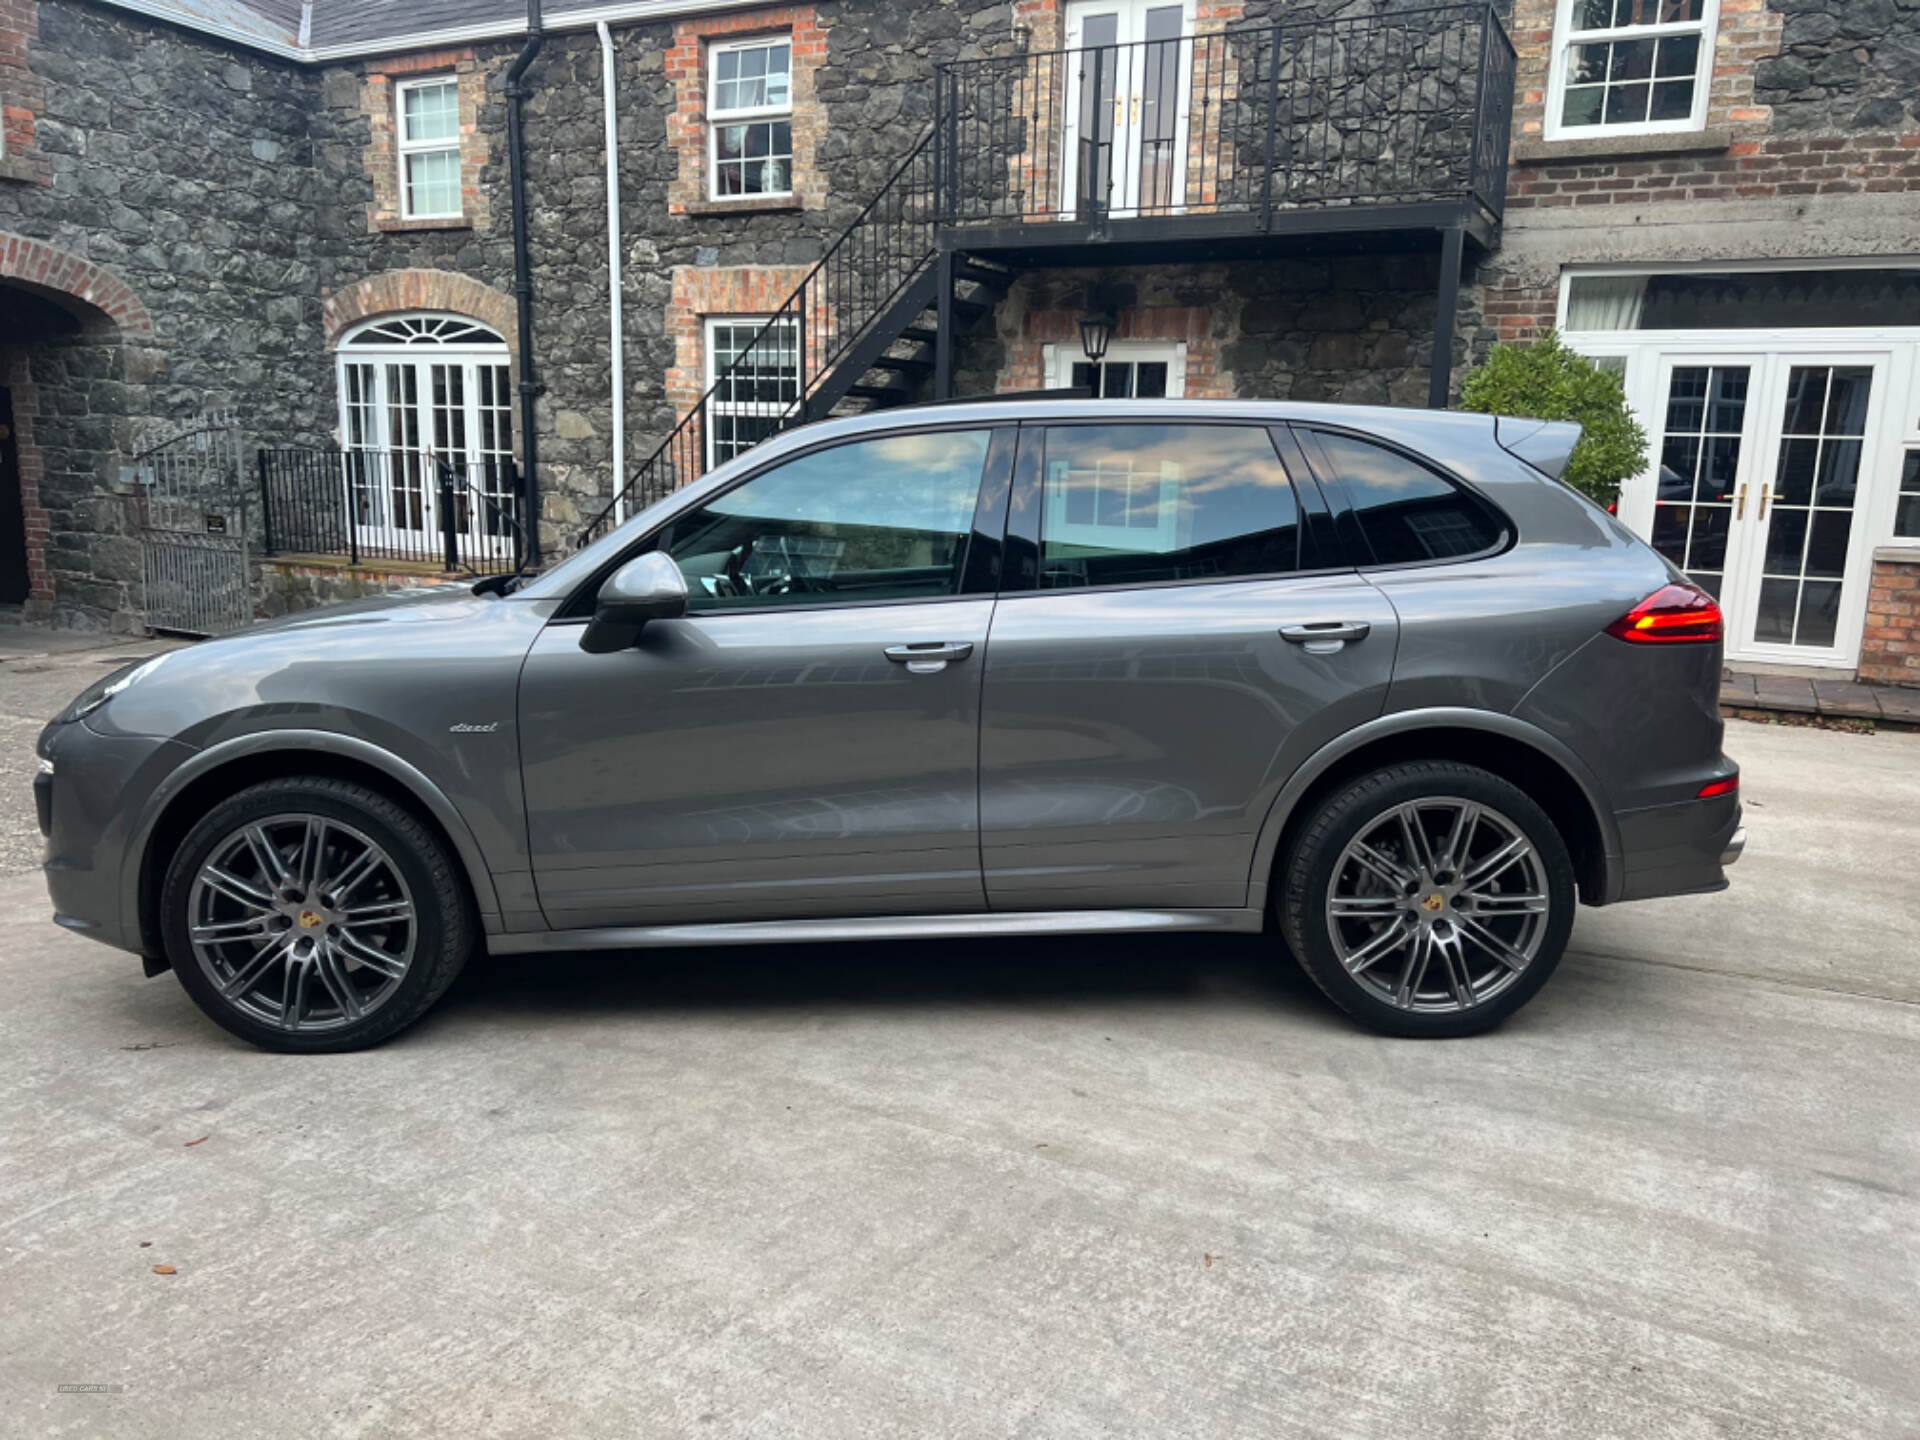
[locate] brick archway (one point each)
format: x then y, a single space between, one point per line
397 291
60 272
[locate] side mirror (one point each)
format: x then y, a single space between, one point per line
648 588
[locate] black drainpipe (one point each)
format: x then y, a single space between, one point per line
523 273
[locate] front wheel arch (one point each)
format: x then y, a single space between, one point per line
1500 744
280 755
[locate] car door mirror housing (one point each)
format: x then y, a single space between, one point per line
650 587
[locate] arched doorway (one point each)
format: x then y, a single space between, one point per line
426 421
65 324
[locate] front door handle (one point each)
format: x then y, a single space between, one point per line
1325 637
929 657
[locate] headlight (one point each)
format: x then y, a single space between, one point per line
101 691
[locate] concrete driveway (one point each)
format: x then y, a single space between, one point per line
1079 1188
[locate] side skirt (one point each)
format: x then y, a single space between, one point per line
979 925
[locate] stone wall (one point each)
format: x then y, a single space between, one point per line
169 175
1359 331
286 587
1844 64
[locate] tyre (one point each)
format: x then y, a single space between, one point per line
315 915
1427 899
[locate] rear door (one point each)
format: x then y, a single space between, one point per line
1176 632
805 741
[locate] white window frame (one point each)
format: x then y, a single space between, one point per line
716 406
1059 361
406 148
746 115
1565 37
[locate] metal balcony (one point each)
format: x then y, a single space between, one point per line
1397 121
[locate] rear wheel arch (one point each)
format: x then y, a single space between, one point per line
1506 747
228 769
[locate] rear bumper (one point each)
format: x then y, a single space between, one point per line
1680 849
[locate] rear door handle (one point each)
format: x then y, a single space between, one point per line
1325 637
929 657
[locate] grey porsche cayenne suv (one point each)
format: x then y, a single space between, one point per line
1371 682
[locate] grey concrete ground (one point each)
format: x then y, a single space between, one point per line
1073 1189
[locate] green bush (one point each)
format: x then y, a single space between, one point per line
1547 381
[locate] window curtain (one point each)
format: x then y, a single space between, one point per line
1606 302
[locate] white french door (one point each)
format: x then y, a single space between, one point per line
1129 90
1768 467
403 417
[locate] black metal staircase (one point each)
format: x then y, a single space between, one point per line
1386 128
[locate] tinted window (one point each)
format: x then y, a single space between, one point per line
877 519
1130 504
1408 512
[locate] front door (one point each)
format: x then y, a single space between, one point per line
806 740
1128 91
1764 459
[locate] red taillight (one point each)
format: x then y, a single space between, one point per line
1727 786
1681 613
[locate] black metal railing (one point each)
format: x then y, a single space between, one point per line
393 505
765 386
1405 106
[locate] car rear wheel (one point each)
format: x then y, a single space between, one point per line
1428 899
314 915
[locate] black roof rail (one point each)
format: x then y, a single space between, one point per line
1072 392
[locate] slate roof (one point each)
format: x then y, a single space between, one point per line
276 24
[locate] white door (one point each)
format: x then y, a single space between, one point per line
1129 86
419 394
1765 464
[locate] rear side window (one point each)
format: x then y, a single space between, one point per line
1139 504
1408 513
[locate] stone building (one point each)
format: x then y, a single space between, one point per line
300 217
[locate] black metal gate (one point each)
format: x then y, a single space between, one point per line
193 533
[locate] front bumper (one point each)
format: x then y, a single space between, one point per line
92 801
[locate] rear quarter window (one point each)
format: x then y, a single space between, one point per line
1409 513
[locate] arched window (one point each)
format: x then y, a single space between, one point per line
426 411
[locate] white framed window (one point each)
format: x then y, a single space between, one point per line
1630 67
750 118
1132 370
428 125
750 399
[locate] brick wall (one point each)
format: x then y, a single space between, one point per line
21 95
1890 651
377 103
700 293
689 192
1747 169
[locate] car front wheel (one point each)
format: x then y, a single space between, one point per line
313 914
1428 899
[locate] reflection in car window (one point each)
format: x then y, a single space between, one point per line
1409 513
879 519
1135 504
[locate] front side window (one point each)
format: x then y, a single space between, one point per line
429 125
1409 513
1630 66
750 110
1140 504
880 519
753 370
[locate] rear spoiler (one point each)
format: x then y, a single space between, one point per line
1546 445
